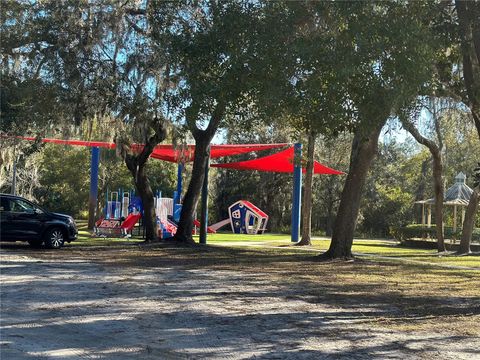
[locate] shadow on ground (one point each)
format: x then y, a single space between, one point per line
164 302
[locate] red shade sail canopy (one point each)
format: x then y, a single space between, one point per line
281 162
101 144
168 152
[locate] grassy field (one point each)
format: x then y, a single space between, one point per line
364 248
374 248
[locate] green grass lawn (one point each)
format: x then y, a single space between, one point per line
229 237
369 248
373 247
394 250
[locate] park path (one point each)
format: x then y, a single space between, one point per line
76 307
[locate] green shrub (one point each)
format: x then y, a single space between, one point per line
420 231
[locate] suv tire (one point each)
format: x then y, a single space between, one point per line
54 238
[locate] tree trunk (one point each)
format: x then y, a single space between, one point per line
190 201
307 193
330 203
329 221
437 179
438 192
469 222
363 152
476 120
145 192
202 152
136 164
469 31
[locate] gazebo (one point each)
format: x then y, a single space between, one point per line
456 195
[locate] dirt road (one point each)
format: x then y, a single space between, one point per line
82 305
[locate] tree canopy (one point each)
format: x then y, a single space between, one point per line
334 72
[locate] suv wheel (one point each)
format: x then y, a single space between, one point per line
54 238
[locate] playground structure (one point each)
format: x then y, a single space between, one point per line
285 161
168 215
122 212
123 217
246 218
117 208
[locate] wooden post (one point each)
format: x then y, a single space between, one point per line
423 214
454 218
429 216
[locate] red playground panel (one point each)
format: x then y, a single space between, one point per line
209 229
130 222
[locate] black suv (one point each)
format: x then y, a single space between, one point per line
22 220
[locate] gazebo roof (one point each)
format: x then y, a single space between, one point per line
457 194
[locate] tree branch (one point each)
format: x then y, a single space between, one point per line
159 135
135 26
191 116
468 71
216 118
474 10
419 137
135 12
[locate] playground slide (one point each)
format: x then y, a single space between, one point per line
220 224
168 227
209 228
130 222
171 226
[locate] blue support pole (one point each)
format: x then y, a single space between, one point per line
92 200
106 204
120 197
297 192
118 210
204 207
178 199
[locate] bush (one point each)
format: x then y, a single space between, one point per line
420 231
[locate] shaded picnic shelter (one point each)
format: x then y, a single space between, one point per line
457 195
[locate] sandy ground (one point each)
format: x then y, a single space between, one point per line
74 306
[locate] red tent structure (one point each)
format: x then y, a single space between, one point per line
169 152
281 162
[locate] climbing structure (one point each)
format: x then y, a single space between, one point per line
246 218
